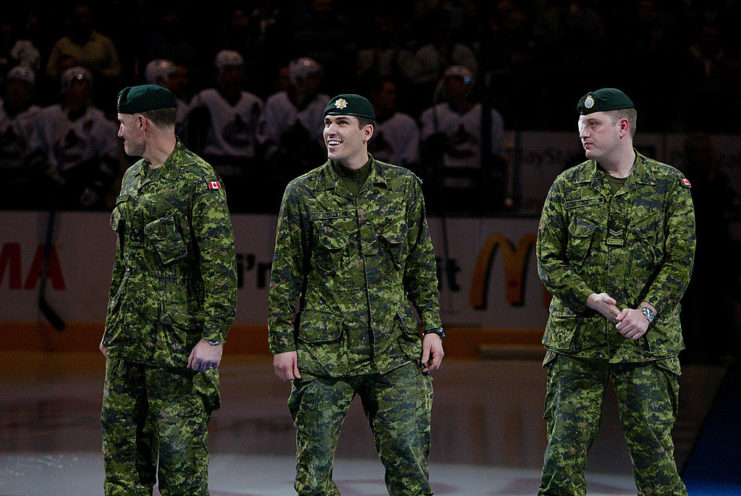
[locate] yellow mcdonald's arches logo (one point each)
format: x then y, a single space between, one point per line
515 265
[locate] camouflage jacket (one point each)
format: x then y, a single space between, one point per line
174 275
355 262
636 245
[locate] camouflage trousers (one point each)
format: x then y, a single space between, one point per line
398 406
153 415
647 396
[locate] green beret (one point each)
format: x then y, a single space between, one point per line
603 100
145 97
350 104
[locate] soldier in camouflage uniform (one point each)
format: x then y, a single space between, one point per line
615 247
353 246
172 301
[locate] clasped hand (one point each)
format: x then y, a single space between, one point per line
630 322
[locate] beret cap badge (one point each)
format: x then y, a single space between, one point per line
604 100
350 104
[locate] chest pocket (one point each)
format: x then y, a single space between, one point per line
332 233
392 237
647 240
166 238
581 234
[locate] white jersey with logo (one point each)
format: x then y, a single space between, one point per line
14 136
66 144
463 132
232 128
280 114
396 140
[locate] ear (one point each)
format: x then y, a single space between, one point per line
624 124
143 123
368 131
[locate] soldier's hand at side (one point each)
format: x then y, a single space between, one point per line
632 323
205 356
432 352
604 304
286 366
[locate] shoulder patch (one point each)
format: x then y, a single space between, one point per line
686 183
214 185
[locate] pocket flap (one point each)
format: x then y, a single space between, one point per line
407 320
164 235
319 327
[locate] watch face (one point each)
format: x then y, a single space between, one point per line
648 313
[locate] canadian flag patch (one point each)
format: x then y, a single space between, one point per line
686 182
214 185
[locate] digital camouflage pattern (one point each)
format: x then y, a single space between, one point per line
355 261
358 259
637 245
153 409
396 403
647 395
174 276
174 283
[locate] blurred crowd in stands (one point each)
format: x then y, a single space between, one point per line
252 79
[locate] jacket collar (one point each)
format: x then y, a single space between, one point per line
329 179
169 171
642 173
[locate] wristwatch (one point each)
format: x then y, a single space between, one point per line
437 330
214 342
648 313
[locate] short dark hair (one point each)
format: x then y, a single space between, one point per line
164 117
363 121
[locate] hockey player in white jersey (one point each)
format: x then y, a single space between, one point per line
396 136
164 72
451 140
221 126
290 130
71 142
16 115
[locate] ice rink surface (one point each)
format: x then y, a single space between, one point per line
488 434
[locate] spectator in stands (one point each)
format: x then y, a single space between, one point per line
290 130
396 135
387 51
17 111
433 58
91 50
165 73
221 126
452 136
71 144
15 51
